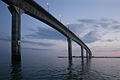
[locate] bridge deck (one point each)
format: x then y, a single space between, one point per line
31 8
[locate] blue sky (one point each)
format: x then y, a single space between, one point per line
96 22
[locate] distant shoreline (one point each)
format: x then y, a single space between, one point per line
91 57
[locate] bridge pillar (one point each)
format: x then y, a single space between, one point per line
82 53
16 33
86 54
90 55
70 49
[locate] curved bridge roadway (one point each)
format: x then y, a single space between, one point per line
30 7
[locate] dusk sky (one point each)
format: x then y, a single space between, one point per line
95 22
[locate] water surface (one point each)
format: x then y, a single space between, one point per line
46 66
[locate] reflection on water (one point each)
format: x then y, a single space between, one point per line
39 67
70 70
16 73
73 73
85 67
82 69
88 64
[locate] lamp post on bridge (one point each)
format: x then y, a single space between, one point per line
47 5
60 17
67 24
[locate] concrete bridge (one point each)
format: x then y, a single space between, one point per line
30 7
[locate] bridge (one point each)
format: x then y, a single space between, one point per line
30 7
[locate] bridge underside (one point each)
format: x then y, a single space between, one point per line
30 7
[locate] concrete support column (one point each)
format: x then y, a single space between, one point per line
90 55
70 49
86 54
16 33
82 53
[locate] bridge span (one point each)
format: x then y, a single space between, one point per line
30 7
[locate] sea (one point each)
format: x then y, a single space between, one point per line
48 66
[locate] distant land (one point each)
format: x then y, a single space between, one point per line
91 57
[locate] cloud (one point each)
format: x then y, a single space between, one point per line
90 37
4 37
109 50
38 49
99 32
46 33
87 20
116 27
7 39
92 30
88 30
38 43
109 40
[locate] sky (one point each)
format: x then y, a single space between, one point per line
95 22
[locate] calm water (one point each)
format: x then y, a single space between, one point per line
36 66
